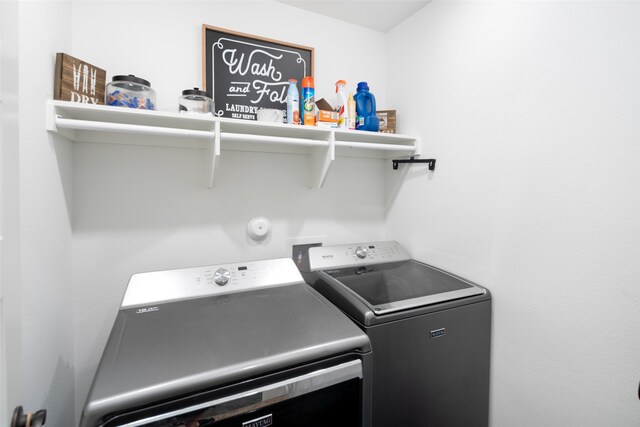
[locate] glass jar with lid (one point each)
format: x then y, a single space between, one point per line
131 92
195 101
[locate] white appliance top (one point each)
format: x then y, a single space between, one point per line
158 287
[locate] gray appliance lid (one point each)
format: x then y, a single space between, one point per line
154 353
392 287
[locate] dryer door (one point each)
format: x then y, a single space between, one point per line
329 396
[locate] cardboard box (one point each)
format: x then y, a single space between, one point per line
309 120
328 125
326 113
328 116
387 121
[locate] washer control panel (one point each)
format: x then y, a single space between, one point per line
174 285
339 256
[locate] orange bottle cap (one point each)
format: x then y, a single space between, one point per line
307 81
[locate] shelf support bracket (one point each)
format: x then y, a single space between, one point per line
321 159
431 162
214 155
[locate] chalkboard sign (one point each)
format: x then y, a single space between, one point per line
243 73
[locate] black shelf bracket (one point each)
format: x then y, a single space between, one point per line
432 162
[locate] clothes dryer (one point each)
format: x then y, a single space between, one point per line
245 344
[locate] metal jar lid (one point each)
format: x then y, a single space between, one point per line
131 79
195 93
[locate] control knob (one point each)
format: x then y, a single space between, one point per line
361 251
221 276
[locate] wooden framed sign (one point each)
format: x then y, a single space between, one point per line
78 81
243 73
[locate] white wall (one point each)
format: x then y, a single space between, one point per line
37 251
141 209
9 337
531 109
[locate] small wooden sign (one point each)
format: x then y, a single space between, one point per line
78 81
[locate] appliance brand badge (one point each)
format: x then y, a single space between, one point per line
263 421
437 333
147 309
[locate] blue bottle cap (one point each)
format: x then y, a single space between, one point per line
363 86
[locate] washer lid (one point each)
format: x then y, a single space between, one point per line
175 348
401 285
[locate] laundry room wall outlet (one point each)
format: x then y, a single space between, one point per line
258 228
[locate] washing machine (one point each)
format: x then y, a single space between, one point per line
430 332
246 344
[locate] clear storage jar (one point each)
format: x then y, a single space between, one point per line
131 92
195 101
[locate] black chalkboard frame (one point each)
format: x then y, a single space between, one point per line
219 89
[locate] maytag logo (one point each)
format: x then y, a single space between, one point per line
147 309
264 421
437 333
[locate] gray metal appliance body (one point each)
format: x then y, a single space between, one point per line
171 344
431 351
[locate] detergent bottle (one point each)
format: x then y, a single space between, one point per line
366 109
293 103
342 105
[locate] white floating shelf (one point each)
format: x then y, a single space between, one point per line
115 125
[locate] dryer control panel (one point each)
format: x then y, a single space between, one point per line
339 256
174 285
